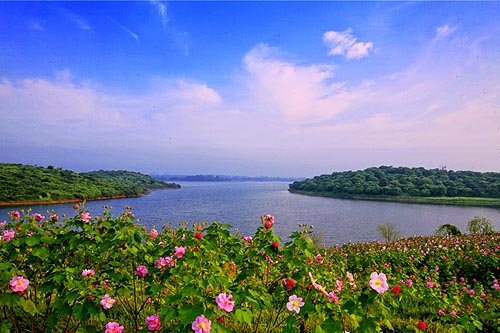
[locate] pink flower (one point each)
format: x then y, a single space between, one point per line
472 292
8 235
107 302
161 262
409 283
294 303
113 327
268 221
141 271
54 217
247 239
430 284
153 322
85 217
88 272
15 214
201 325
319 258
378 282
224 302
440 312
179 251
153 233
453 313
39 217
339 284
332 297
19 284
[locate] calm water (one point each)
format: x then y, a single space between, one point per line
242 204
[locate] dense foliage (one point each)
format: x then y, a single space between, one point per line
104 274
33 183
401 181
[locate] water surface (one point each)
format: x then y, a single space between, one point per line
241 204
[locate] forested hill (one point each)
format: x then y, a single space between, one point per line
401 181
26 183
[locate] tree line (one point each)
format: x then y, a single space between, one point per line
20 182
403 181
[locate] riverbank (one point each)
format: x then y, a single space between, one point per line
450 201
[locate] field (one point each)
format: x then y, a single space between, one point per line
92 273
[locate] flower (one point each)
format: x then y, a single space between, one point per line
153 233
339 285
179 251
409 283
198 235
422 325
85 217
54 218
396 290
8 235
224 302
161 262
19 284
88 272
153 322
141 271
332 297
268 221
289 283
201 325
39 217
275 245
430 284
247 239
14 214
107 302
472 292
294 303
378 282
453 313
440 312
319 258
113 327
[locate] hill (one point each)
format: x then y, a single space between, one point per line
418 185
34 184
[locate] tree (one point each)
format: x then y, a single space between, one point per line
388 232
479 225
448 230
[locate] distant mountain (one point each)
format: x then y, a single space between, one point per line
223 178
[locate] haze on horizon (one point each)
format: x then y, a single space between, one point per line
250 88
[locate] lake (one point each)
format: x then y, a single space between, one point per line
241 204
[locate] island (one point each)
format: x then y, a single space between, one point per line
402 184
27 184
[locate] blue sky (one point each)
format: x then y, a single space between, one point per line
250 88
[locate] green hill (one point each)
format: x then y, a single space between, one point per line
26 183
418 185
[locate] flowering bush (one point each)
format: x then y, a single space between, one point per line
105 274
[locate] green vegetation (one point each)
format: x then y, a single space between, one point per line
26 183
93 274
416 185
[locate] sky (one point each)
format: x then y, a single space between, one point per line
250 88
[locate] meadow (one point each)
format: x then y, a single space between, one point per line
89 273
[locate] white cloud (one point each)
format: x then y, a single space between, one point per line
345 44
162 11
124 28
297 92
444 31
34 25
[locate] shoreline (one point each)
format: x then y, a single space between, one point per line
62 201
449 201
65 201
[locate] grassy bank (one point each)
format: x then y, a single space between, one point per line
453 201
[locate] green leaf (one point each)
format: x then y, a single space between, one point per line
244 316
28 306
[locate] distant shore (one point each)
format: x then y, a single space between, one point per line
451 201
